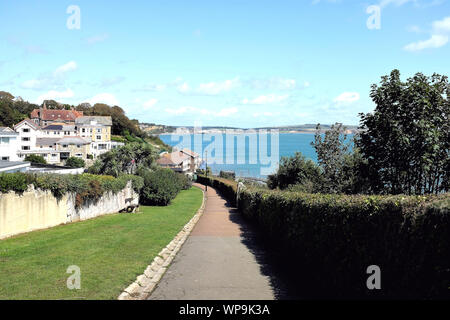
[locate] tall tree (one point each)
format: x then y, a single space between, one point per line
406 139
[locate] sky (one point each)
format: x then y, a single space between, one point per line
220 63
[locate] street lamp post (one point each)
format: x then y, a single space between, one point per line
206 169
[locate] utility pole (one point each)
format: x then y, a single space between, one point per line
206 169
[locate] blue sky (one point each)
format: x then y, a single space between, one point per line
228 63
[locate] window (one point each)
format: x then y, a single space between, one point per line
78 146
25 147
25 130
54 155
99 130
64 145
4 140
99 137
83 130
5 158
25 139
79 155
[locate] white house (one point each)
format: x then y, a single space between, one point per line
8 144
28 132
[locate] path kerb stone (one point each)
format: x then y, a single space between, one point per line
146 282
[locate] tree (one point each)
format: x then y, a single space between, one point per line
75 162
341 167
406 139
33 158
296 170
126 159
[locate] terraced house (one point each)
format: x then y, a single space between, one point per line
96 130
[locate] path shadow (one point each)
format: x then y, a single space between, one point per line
273 262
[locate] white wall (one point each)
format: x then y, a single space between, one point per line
8 147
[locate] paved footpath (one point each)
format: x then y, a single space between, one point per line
214 263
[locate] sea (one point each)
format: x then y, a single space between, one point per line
254 155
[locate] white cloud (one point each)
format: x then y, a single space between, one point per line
55 95
214 88
149 103
441 26
106 98
47 80
69 66
273 84
265 114
436 41
183 88
269 99
97 38
226 112
347 97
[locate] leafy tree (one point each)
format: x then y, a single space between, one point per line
75 162
33 158
406 139
126 159
341 166
296 170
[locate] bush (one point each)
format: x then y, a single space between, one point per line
86 187
296 170
228 188
75 162
230 175
35 159
332 239
160 186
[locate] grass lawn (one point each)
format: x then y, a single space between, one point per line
111 252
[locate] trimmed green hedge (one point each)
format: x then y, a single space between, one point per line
228 188
332 239
85 186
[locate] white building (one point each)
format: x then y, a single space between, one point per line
58 131
28 132
8 144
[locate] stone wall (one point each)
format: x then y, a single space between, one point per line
37 209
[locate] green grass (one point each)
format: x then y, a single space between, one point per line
110 251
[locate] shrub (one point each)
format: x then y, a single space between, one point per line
75 162
228 188
33 158
160 186
332 239
86 187
296 170
230 175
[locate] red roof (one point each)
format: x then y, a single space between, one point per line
53 115
174 158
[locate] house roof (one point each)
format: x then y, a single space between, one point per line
29 122
190 153
56 115
46 141
5 165
5 131
72 140
59 127
174 158
87 120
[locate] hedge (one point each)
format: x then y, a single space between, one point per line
228 188
332 239
85 186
